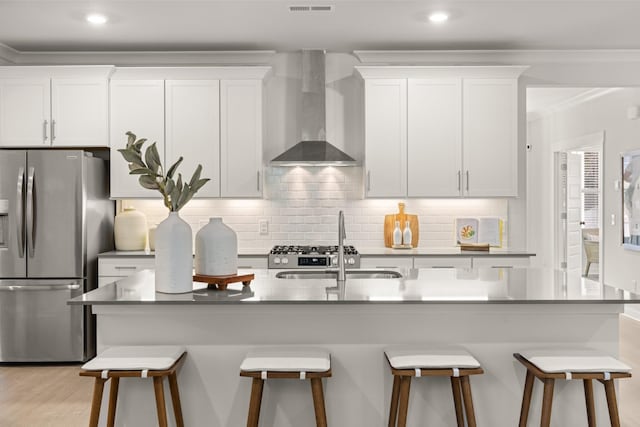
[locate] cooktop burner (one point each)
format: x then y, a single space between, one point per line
310 256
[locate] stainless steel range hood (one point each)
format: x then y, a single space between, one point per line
313 149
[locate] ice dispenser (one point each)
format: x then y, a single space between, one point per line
4 223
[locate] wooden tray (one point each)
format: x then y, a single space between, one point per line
390 224
221 282
474 247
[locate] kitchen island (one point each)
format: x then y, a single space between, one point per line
492 312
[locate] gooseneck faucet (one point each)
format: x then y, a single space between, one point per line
341 236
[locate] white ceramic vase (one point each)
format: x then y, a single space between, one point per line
174 256
216 249
130 230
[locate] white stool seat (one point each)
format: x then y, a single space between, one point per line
430 357
287 359
573 360
133 358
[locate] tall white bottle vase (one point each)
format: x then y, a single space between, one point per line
174 256
397 234
216 249
130 230
407 236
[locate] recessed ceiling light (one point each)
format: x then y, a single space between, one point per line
438 17
96 19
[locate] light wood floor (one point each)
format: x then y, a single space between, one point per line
56 396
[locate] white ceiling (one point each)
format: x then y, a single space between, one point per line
47 25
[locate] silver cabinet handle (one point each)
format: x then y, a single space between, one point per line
38 287
258 180
44 132
368 180
53 130
30 212
467 181
459 179
19 212
125 267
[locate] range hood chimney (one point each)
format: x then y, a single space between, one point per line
313 149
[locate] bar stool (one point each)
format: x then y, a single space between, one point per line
425 361
286 362
154 362
572 364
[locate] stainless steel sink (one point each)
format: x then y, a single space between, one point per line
333 274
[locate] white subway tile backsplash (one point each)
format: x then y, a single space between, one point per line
302 205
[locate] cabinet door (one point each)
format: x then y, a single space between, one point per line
386 137
25 111
136 106
241 138
79 113
434 138
490 137
193 130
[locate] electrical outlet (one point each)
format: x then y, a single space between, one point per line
613 219
263 227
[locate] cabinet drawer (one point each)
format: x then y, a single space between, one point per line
105 280
123 267
252 262
500 262
386 262
442 262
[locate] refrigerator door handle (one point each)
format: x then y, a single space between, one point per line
30 212
39 287
20 212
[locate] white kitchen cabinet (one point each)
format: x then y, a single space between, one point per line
241 138
441 131
490 136
386 262
54 112
442 262
386 137
501 261
434 137
136 106
192 120
113 269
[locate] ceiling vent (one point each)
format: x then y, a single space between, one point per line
324 8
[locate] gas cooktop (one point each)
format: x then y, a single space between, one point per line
309 256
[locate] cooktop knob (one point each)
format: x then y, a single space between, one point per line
285 260
276 260
351 261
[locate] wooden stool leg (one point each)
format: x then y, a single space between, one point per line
113 401
98 388
405 386
318 402
254 403
588 397
457 400
468 401
547 398
526 399
610 390
395 394
175 399
160 405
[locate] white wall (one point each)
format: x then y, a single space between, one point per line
608 114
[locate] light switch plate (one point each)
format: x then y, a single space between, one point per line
263 227
613 219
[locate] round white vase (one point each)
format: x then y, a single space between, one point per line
130 230
216 249
174 256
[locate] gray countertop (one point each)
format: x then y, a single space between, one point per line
421 286
364 252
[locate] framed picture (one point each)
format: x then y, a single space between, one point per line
631 200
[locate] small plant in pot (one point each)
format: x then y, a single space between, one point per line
173 238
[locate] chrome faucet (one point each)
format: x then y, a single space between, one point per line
341 236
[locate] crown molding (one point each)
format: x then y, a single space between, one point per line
495 57
572 102
138 58
422 71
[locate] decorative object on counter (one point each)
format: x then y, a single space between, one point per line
152 237
220 282
404 219
173 238
474 247
216 249
406 234
483 231
397 234
130 230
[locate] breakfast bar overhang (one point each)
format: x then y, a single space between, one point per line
492 312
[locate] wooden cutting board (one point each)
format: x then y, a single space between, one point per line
390 225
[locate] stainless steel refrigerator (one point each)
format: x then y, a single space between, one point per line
55 217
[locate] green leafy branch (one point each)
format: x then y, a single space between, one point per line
175 193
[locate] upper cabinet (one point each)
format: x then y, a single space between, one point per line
442 131
203 115
54 106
